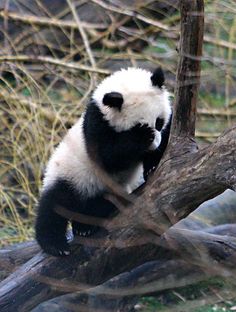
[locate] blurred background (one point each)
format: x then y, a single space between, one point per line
52 55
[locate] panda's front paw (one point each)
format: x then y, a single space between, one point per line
145 134
156 142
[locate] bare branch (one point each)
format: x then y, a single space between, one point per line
130 13
82 33
45 21
52 61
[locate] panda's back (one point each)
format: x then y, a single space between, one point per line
70 162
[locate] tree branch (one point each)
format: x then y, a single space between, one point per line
16 255
51 61
182 183
218 211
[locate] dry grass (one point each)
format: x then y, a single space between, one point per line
51 62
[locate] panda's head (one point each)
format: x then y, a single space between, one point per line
131 96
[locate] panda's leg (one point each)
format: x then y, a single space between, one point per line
95 207
50 226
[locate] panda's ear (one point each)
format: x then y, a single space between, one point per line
113 99
158 77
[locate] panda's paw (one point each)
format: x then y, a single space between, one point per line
56 248
57 251
84 233
145 134
84 230
156 142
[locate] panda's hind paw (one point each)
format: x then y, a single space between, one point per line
83 230
64 252
57 249
60 251
83 233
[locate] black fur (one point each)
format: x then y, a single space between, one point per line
158 77
117 151
113 99
159 124
51 227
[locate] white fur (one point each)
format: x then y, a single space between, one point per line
70 161
156 142
143 103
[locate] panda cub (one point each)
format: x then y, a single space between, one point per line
127 125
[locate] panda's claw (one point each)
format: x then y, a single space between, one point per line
55 248
83 233
83 230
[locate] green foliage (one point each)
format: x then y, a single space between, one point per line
151 304
201 297
215 100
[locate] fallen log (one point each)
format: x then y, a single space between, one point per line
48 276
123 291
217 211
13 256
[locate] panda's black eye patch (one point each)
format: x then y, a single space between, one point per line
113 99
159 124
